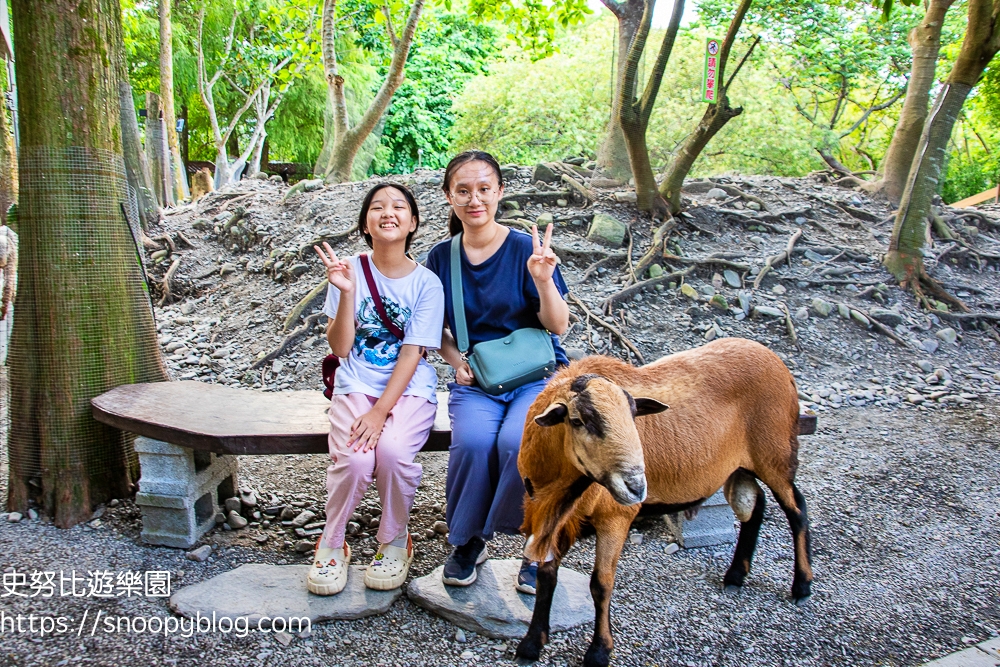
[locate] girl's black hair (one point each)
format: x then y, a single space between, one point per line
454 222
366 204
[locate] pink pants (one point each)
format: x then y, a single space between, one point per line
391 464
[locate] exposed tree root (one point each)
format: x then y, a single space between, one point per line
777 259
789 326
706 261
598 264
609 302
289 339
656 248
922 282
878 326
610 327
167 278
296 312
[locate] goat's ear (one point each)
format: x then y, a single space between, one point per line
648 406
554 414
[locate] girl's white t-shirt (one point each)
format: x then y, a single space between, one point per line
414 303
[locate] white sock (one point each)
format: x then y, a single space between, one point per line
401 540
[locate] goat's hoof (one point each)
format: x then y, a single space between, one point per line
597 656
528 651
801 590
733 589
802 601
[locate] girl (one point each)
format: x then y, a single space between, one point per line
384 400
509 281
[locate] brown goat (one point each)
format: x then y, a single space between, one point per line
733 418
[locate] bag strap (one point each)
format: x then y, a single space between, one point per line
457 298
377 298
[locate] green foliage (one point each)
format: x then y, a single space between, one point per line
527 111
974 155
448 51
296 132
531 24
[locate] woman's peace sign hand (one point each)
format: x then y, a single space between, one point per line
338 272
542 263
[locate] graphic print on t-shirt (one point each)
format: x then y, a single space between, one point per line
372 341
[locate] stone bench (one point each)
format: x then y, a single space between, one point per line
191 432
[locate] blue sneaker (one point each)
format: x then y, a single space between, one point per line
460 568
527 577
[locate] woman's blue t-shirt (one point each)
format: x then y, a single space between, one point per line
500 295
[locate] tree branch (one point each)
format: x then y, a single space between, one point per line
870 110
727 44
388 26
614 7
653 85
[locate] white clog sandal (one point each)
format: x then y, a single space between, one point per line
328 574
389 567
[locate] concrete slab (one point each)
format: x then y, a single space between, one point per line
991 646
257 590
970 657
493 607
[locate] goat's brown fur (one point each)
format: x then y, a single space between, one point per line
733 413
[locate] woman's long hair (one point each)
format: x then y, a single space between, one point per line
454 222
366 204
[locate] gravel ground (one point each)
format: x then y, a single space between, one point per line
906 535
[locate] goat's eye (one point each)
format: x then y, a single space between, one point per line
576 423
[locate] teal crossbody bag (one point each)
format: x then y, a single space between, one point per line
507 363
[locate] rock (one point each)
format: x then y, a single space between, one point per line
227 269
492 607
753 206
948 335
277 366
233 505
14 517
296 270
260 176
635 538
802 314
543 174
312 185
925 366
655 271
717 281
235 521
290 513
606 230
711 334
671 548
887 317
858 317
543 220
821 307
732 278
460 636
114 502
745 302
627 197
220 517
279 591
562 203
575 353
304 546
778 289
601 182
769 311
689 291
276 178
440 527
199 555
248 498
843 311
719 302
716 193
261 539
303 518
930 345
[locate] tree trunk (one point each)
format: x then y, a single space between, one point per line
154 148
635 111
612 156
714 119
347 140
8 157
136 167
177 169
85 322
253 166
982 41
925 41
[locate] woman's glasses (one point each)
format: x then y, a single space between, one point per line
485 195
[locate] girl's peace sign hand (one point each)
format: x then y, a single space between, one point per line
542 263
338 272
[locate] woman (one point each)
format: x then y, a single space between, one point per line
509 281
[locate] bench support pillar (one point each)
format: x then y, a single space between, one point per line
180 491
713 526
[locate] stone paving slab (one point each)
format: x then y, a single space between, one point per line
493 607
985 654
279 591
